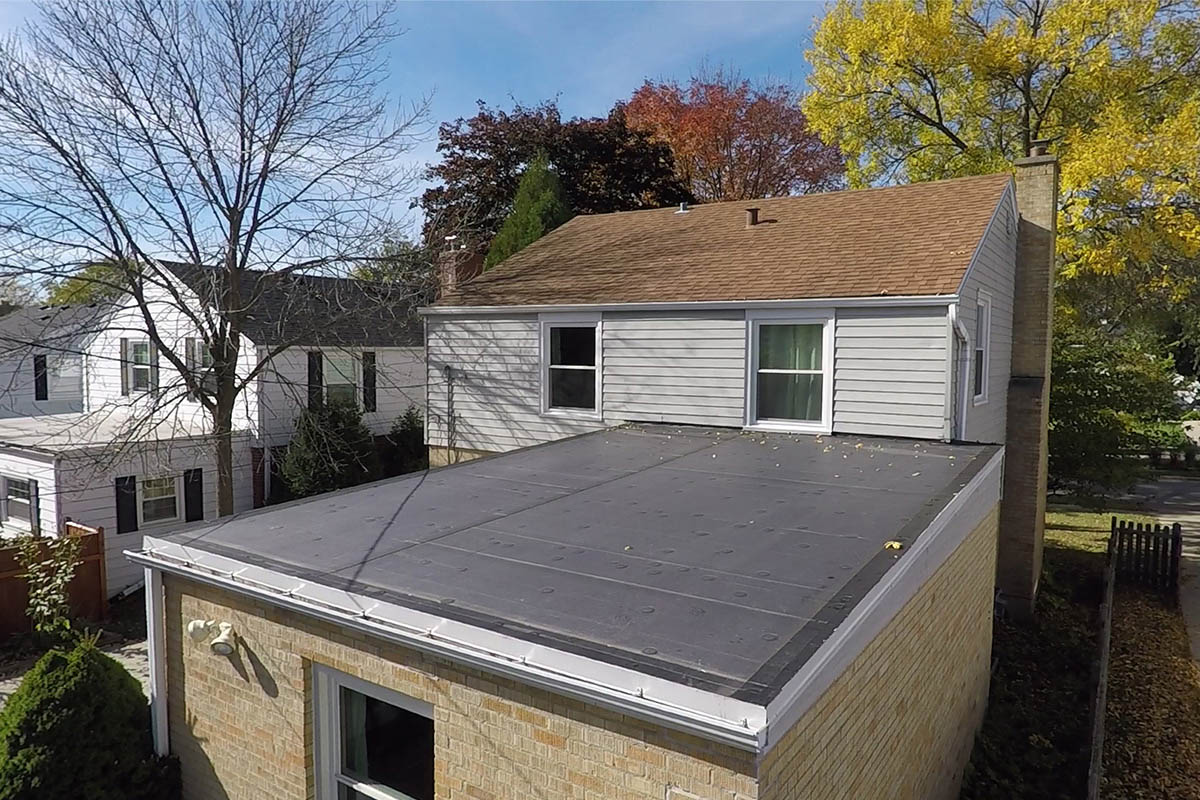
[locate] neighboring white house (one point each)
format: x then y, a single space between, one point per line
97 426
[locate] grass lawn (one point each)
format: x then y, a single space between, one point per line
1034 741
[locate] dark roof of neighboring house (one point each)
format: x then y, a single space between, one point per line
51 326
716 559
304 309
905 240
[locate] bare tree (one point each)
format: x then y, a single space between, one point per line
253 138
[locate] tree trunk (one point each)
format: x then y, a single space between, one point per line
223 432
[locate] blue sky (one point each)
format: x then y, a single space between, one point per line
588 55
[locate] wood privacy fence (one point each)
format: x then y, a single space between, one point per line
88 590
1147 555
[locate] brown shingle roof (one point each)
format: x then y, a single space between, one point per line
905 240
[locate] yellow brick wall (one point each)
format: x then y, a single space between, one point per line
242 727
445 456
900 721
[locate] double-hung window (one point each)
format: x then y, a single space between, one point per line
340 377
983 337
19 503
139 366
371 743
790 381
158 500
570 367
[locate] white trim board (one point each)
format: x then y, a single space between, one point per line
696 305
747 726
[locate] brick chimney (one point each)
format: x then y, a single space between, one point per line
1023 509
456 267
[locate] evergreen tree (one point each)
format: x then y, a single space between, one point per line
539 207
332 449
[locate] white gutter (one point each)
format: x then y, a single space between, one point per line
156 645
707 305
656 700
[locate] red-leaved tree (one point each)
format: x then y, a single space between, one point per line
734 140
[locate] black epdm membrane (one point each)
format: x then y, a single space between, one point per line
711 557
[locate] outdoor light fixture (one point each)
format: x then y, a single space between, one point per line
222 644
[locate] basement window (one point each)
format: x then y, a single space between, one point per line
790 374
371 743
570 367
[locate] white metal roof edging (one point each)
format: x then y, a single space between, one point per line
872 614
652 699
696 305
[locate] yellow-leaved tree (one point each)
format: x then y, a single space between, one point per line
926 89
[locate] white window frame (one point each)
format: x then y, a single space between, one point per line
142 523
132 367
327 716
16 522
755 320
983 306
548 322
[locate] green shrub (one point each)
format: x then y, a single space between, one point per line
79 727
403 449
332 449
48 564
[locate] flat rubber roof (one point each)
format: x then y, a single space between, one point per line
714 558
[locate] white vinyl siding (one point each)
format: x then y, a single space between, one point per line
993 275
890 372
496 374
675 368
64 382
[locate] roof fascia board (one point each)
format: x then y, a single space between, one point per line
656 700
1008 196
874 612
699 305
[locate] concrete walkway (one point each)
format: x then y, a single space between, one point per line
1175 499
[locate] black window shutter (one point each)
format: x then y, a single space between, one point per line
127 520
41 389
368 364
193 494
153 367
316 379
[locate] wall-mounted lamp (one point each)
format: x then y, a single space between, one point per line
222 644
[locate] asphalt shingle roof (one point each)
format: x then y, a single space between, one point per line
314 310
905 240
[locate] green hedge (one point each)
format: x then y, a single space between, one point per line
79 727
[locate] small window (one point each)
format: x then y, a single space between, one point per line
199 360
41 380
571 375
373 744
339 375
983 336
139 366
158 500
18 501
790 381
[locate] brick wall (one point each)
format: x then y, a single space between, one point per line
242 726
900 721
445 456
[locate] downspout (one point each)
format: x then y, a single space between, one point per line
156 646
962 372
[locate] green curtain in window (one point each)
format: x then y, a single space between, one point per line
789 346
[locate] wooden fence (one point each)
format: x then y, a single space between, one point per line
1148 555
88 590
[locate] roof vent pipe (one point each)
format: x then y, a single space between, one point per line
751 217
683 209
